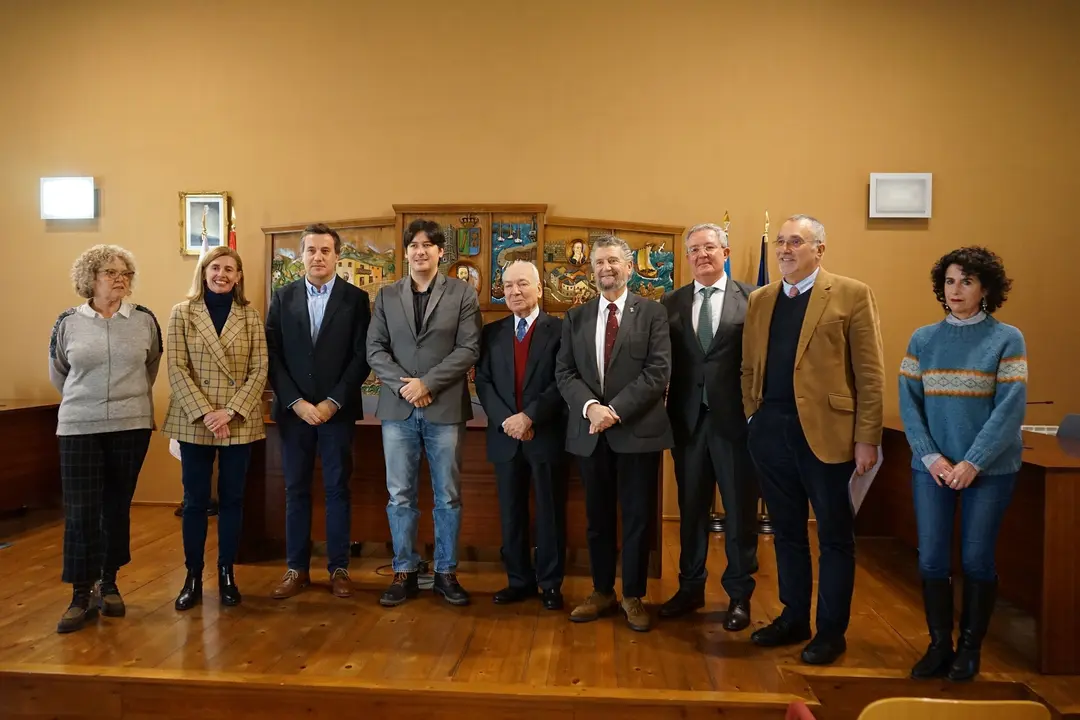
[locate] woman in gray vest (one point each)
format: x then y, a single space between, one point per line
103 358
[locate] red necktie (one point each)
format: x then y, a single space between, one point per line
794 291
610 332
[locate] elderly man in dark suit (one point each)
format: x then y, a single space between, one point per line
613 367
315 335
424 338
526 431
705 406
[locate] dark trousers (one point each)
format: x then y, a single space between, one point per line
613 482
790 475
982 508
196 471
98 473
704 462
548 480
299 443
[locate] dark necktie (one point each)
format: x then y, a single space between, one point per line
704 328
521 328
610 332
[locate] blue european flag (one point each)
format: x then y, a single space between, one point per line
763 265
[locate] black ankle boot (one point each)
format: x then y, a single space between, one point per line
191 594
82 609
979 597
938 601
227 590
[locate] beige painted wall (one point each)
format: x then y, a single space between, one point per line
657 112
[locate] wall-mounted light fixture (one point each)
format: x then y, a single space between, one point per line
67 198
900 195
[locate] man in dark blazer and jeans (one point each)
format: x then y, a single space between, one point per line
613 367
526 431
315 335
706 410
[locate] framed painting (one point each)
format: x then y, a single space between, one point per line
204 221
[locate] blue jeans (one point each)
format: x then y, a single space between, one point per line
299 444
196 471
983 505
403 441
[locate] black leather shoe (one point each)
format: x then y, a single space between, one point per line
553 599
405 586
738 616
781 632
512 594
447 585
823 650
683 602
227 590
191 594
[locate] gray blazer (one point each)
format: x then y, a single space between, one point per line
440 352
634 383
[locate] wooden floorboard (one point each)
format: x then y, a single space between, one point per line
315 644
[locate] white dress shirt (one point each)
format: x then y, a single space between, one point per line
716 302
601 332
804 285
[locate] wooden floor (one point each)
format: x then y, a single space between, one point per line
316 640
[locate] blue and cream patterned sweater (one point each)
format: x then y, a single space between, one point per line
963 391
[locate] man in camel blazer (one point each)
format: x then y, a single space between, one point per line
812 382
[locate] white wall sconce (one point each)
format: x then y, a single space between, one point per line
900 195
67 198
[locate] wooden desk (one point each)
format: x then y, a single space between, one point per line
30 465
1038 560
263 536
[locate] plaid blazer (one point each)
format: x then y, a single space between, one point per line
208 373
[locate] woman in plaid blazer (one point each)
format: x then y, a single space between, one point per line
217 361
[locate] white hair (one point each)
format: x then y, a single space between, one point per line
612 241
721 236
817 230
535 273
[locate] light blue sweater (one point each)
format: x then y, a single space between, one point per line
963 392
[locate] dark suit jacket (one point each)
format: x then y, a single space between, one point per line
719 369
440 352
634 383
540 395
335 366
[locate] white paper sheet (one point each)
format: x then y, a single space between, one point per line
860 484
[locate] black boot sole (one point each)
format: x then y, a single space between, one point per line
409 595
457 602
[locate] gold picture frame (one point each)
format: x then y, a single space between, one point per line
204 216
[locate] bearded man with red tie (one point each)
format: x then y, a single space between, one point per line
612 369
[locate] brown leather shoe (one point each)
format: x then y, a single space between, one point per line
291 584
340 584
595 606
636 617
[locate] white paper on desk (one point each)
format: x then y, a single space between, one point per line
860 484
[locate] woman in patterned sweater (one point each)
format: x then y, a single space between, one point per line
963 388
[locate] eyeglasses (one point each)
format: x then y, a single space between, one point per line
698 249
113 274
794 243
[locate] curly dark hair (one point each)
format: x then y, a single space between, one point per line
977 262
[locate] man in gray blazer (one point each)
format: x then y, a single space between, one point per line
612 369
424 338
